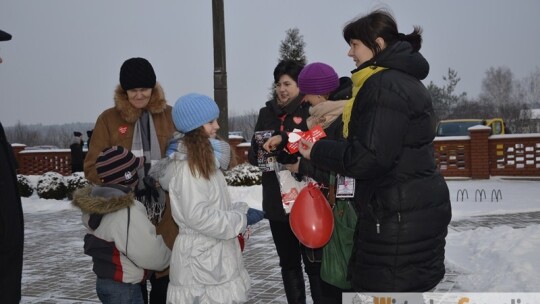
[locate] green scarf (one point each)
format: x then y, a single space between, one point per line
358 79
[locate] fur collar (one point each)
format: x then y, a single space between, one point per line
157 103
107 201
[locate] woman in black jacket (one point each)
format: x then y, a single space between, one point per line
11 219
327 95
77 154
402 200
285 112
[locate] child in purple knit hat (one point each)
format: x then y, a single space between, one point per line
318 81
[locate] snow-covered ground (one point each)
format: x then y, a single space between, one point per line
497 259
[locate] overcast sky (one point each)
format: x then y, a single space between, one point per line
63 62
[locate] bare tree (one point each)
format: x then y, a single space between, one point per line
37 135
244 123
470 109
59 136
23 134
498 87
526 123
530 88
505 97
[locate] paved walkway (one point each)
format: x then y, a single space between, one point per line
516 220
57 271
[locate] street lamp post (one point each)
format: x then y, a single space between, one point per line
220 67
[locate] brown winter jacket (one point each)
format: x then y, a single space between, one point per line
115 127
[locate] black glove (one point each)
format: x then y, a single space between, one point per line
286 158
298 176
150 191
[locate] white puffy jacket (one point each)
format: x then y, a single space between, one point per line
206 263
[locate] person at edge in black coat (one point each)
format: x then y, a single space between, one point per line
285 112
401 199
11 220
77 154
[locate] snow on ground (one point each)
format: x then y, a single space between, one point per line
498 259
480 198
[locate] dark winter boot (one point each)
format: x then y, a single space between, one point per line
295 288
315 286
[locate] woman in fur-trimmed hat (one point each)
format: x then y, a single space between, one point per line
140 121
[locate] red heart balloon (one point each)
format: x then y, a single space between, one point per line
311 217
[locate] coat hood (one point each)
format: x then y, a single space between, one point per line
102 199
157 103
400 56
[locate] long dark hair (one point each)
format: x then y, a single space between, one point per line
200 153
380 23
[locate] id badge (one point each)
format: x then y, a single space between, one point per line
345 186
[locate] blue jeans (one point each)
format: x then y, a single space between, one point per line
112 292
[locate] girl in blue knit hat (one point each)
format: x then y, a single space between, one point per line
206 263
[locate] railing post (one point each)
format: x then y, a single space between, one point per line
479 152
16 149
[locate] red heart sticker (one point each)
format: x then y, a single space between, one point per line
122 129
297 119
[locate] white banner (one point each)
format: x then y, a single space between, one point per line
442 298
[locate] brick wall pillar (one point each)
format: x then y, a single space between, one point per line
16 149
234 142
479 152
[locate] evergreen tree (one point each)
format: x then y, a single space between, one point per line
444 99
291 48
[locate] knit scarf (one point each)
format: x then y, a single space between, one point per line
154 208
358 79
161 172
325 113
222 153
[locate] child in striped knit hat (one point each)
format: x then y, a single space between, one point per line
121 239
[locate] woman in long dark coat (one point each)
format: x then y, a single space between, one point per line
401 198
